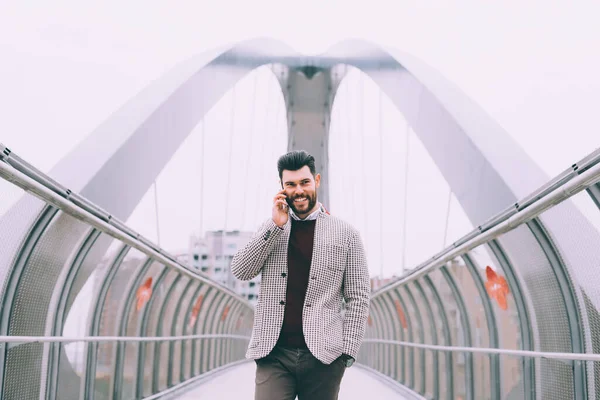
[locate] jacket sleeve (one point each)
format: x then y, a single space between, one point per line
357 290
249 260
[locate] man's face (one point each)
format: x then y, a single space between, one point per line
301 190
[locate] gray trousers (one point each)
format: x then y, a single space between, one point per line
287 373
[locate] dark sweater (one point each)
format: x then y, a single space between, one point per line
300 251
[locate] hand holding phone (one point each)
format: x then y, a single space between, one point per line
280 209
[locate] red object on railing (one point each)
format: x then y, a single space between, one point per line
196 310
401 315
143 293
497 287
225 312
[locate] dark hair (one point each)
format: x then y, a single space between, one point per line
295 160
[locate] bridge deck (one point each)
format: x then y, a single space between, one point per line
238 383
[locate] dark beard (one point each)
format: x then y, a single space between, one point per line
311 204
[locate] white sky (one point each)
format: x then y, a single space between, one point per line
67 65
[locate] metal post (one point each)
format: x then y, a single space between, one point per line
594 192
156 364
174 327
410 368
568 294
194 330
122 317
186 321
434 339
12 280
59 314
419 320
91 349
524 320
490 316
466 327
396 327
142 331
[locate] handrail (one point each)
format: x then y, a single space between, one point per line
562 187
488 350
73 339
28 178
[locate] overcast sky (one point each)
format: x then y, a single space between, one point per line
67 65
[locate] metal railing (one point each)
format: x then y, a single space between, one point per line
59 271
447 329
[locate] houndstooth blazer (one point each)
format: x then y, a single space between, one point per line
338 271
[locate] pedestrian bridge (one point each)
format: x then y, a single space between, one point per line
507 311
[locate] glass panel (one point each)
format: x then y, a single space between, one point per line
578 245
457 336
395 327
184 327
417 330
33 293
158 298
133 321
399 335
507 320
542 293
200 328
80 299
429 331
165 329
379 321
481 385
72 366
441 329
109 318
16 220
130 369
512 378
179 329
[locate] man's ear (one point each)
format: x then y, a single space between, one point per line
317 180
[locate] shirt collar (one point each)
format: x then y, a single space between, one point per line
312 216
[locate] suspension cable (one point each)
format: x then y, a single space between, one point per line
156 210
228 181
361 104
406 155
349 138
273 153
252 130
278 114
339 129
447 218
202 153
262 152
381 182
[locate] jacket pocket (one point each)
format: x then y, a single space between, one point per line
335 257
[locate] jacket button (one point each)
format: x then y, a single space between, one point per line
283 274
282 302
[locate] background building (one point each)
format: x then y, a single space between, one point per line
212 255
